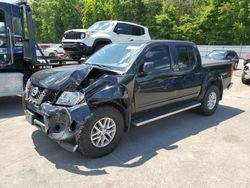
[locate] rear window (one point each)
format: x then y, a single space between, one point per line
185 57
136 30
17 25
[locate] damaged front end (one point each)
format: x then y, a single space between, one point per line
61 124
55 101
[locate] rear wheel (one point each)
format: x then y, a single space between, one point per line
210 102
102 133
236 65
243 80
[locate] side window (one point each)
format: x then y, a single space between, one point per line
136 30
122 29
185 57
231 55
17 25
2 21
160 56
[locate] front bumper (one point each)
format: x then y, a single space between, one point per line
246 75
77 48
59 123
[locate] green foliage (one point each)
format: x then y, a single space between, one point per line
201 21
53 17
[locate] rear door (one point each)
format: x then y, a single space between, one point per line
17 34
6 40
188 72
123 32
137 33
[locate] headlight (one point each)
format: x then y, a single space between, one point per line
82 36
70 98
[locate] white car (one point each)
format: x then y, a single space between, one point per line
84 42
54 51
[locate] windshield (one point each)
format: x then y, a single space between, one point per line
217 55
118 57
104 25
2 22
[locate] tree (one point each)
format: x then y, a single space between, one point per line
201 21
53 17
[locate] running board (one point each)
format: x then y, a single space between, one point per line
140 123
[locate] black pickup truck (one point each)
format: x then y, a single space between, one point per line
89 106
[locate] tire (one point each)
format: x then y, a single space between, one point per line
244 81
236 65
52 55
77 58
93 147
210 101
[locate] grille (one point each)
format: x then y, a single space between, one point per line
72 35
37 95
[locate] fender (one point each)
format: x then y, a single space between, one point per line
207 82
107 90
105 40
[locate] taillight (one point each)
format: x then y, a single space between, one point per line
231 70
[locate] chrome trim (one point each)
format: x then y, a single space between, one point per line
11 44
39 123
166 115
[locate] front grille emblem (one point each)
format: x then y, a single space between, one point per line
34 91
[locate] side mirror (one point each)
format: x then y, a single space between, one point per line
148 67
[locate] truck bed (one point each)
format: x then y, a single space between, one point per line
210 63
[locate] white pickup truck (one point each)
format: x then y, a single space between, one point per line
84 42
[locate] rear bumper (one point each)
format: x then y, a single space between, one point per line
246 75
76 48
59 123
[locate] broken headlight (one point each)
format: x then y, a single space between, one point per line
70 98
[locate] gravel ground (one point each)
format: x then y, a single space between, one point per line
185 150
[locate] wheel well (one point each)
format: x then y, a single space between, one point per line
219 85
102 41
121 110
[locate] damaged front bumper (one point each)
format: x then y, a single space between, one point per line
59 123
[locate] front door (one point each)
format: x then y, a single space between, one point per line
11 38
188 73
156 88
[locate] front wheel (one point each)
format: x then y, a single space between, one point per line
102 132
52 54
210 102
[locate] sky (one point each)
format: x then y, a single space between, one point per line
8 1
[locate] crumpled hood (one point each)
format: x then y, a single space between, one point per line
65 78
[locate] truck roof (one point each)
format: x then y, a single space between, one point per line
126 22
162 41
